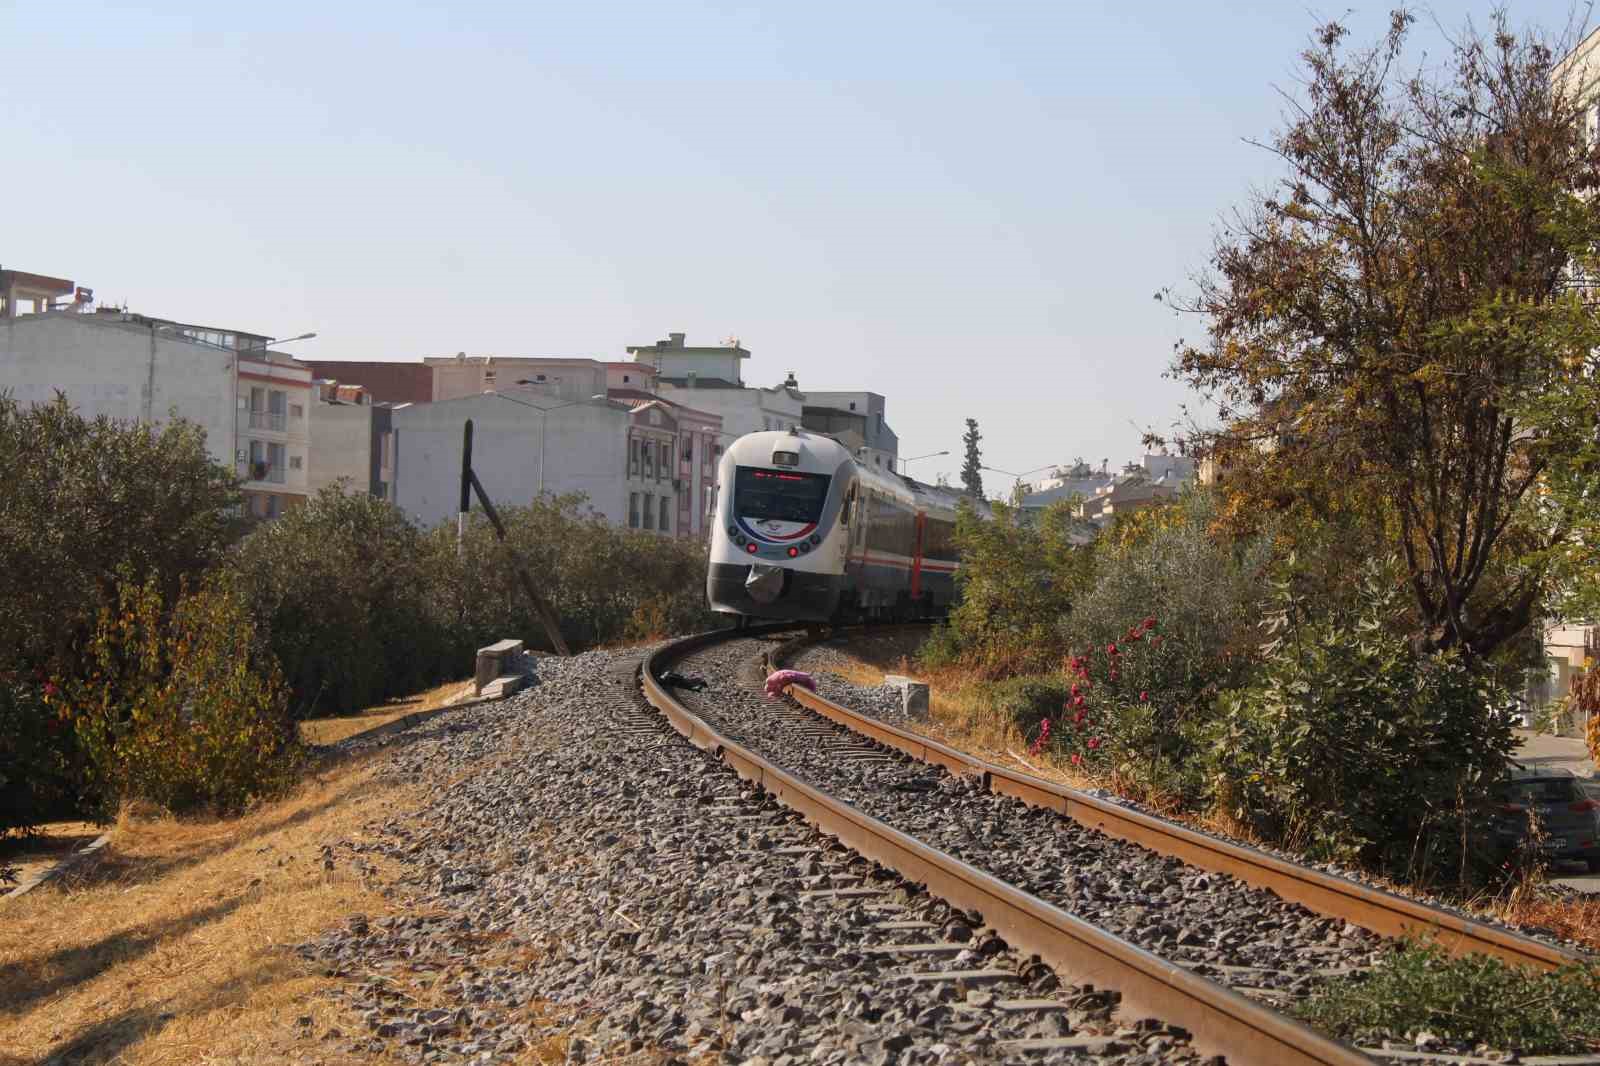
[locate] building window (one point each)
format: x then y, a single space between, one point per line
633 510
275 454
688 449
625 379
666 526
295 462
649 458
649 513
633 458
852 405
666 459
296 411
274 506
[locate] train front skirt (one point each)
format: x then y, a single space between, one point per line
774 592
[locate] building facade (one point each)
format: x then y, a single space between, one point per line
384 382
354 443
710 379
855 419
273 452
520 450
252 403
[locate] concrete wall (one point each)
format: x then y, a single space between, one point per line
341 446
585 447
122 370
742 410
562 379
720 364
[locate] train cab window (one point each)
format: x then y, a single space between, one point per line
849 506
780 495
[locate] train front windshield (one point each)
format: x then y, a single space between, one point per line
778 495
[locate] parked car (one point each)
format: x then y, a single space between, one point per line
1567 817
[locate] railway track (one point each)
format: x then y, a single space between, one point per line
1070 890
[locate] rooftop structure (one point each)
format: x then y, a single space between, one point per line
683 365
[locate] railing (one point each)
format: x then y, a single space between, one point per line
268 420
268 472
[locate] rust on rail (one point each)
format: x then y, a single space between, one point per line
1381 912
1220 1020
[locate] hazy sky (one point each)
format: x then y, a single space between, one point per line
966 207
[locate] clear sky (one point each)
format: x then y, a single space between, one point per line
966 207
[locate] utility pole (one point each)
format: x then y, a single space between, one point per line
471 484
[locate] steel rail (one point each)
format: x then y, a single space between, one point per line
1327 894
1219 1020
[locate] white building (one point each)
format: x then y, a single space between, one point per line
253 404
354 442
856 419
521 448
710 379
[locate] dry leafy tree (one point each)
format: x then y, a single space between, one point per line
1386 324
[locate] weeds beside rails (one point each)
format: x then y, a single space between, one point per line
1467 1002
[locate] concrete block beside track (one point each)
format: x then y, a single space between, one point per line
497 660
913 694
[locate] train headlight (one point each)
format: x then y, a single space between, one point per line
738 538
733 531
794 553
751 547
815 539
804 547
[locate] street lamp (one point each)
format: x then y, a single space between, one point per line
269 342
544 419
914 458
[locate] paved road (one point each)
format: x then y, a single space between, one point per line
1569 754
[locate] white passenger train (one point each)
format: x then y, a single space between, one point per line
805 532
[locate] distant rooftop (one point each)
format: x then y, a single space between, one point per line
674 343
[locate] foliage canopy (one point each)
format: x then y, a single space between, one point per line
1384 323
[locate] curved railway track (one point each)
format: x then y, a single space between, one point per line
1222 1019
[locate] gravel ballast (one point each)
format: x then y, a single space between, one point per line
1215 925
882 702
583 876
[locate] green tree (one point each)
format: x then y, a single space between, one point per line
88 501
1383 324
344 597
182 707
85 504
972 465
1017 580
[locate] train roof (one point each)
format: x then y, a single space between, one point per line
763 442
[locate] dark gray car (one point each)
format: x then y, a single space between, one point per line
1568 819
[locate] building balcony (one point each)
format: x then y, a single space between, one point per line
265 472
275 420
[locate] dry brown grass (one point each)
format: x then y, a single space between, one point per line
177 945
341 727
1577 919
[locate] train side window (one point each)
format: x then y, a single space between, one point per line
849 505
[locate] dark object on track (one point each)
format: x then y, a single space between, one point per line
674 679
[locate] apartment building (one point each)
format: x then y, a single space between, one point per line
711 379
523 447
354 443
252 403
855 419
